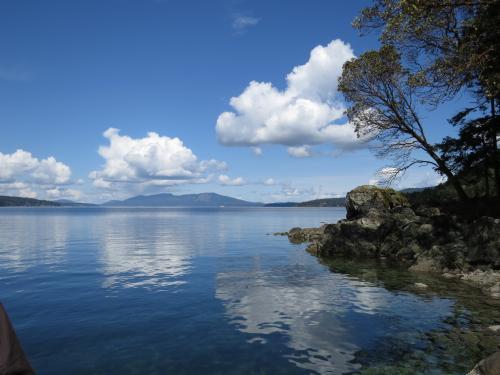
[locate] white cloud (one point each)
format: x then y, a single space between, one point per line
242 22
269 182
22 174
384 176
257 151
425 177
18 189
51 171
21 165
299 151
151 160
307 112
226 180
58 193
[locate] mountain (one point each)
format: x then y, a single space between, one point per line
70 203
282 204
325 202
414 190
6 201
187 200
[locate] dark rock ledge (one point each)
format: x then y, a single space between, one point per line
381 224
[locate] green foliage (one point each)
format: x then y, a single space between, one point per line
448 44
471 154
430 51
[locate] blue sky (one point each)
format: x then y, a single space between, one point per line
74 72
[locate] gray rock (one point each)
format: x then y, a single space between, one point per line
366 198
495 329
421 285
488 366
426 264
380 224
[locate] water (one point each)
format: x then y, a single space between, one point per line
197 291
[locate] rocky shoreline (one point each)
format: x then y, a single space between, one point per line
381 224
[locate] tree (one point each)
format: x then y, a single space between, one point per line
382 107
447 46
469 154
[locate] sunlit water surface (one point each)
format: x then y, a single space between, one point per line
195 291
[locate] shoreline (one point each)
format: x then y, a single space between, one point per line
382 226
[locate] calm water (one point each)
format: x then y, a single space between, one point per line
195 291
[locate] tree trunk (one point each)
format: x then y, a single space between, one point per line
448 173
454 181
494 141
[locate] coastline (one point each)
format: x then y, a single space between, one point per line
382 226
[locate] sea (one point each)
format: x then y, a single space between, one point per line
207 291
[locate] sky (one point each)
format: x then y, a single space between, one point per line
106 99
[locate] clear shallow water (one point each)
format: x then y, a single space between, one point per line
190 291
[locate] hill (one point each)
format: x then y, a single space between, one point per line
70 203
6 201
325 202
186 200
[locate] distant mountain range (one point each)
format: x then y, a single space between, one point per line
325 202
187 200
70 203
170 200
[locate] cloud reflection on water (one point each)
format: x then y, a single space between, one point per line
43 240
152 254
320 314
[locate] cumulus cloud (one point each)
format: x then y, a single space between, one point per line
61 193
308 112
269 181
226 180
299 151
18 189
389 176
22 174
21 165
153 159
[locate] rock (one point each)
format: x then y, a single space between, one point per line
488 278
381 224
366 198
488 366
300 235
427 211
495 329
494 290
421 285
426 264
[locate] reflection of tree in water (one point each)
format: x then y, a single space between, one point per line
328 319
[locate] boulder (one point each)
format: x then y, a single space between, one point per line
299 235
488 366
381 224
366 198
